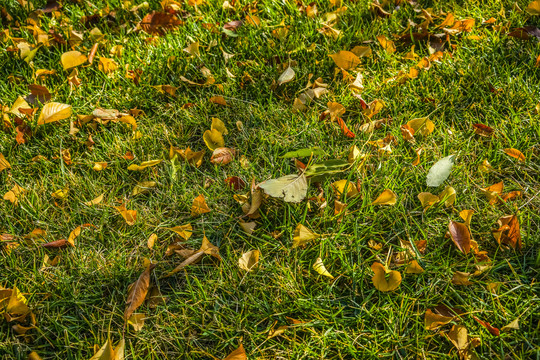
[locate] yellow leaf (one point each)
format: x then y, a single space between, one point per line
20 103
467 216
74 234
61 194
249 260
151 241
383 279
361 51
515 153
54 111
319 267
219 126
107 352
199 206
493 192
461 278
13 194
99 166
213 139
248 227
533 8
388 45
433 321
129 215
128 119
514 325
107 65
414 268
193 158
345 60
185 231
142 187
220 100
72 59
339 188
4 164
144 165
427 199
302 235
448 195
94 201
136 321
422 126
387 197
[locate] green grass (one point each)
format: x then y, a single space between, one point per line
213 306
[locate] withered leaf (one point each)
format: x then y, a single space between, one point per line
383 279
461 236
137 291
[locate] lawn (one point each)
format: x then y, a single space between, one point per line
111 114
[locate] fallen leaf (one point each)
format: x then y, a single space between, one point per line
383 279
461 278
206 248
248 227
4 164
508 232
185 231
467 216
192 158
459 337
238 354
143 187
99 166
94 201
199 206
387 197
533 8
448 195
361 51
387 45
414 268
220 100
235 183
461 236
158 23
427 199
514 325
345 60
483 130
433 321
493 192
107 352
144 165
130 216
290 188
72 59
488 326
58 244
151 241
302 235
53 112
107 65
13 194
61 194
249 260
136 321
440 171
339 188
213 139
222 156
137 291
515 153
348 133
319 267
421 126
286 76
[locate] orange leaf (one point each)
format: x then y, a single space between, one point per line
199 206
348 133
461 236
129 215
515 153
491 329
508 232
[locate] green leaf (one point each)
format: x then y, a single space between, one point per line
304 152
327 167
290 188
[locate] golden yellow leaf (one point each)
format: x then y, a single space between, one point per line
199 206
143 165
493 192
94 201
47 261
302 235
107 65
461 278
34 356
4 164
14 304
129 215
249 260
151 241
220 100
515 153
136 321
20 103
388 45
387 197
128 119
459 337
448 195
54 111
193 158
238 354
433 321
427 199
467 216
414 268
533 8
319 267
185 231
345 60
74 234
514 325
72 59
213 139
422 126
61 193
344 186
143 187
219 125
383 279
13 194
99 166
361 51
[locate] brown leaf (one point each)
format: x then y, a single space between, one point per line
461 278
58 244
158 23
137 291
461 236
235 183
206 248
508 232
515 153
483 130
383 279
222 156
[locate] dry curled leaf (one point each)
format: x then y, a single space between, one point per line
302 235
199 206
433 321
508 232
387 197
222 156
238 354
493 330
206 248
143 165
137 291
130 216
319 267
249 260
